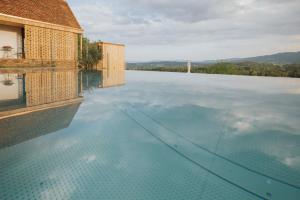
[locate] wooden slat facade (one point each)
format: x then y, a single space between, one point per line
112 64
50 44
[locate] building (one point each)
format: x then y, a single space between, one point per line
43 33
111 64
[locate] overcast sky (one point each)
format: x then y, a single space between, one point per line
192 29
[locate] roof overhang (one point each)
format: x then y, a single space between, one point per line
109 43
19 21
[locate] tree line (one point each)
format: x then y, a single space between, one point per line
243 68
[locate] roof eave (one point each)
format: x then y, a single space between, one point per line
24 21
110 43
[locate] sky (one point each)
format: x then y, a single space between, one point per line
194 30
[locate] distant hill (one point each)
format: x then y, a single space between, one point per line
279 58
156 64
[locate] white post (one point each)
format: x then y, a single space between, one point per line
189 66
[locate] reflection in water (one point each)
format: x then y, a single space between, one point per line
33 87
27 126
101 79
35 102
91 80
50 86
12 90
164 136
112 77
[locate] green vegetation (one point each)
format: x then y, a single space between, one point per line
91 54
251 69
243 68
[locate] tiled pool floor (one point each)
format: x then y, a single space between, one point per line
167 136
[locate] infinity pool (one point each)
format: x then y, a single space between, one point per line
161 136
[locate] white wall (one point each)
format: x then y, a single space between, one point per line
10 36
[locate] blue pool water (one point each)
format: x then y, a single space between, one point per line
161 136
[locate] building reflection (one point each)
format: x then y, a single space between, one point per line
33 87
91 80
19 128
35 102
12 90
100 79
38 101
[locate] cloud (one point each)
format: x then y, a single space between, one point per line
198 27
186 11
293 162
242 126
89 158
